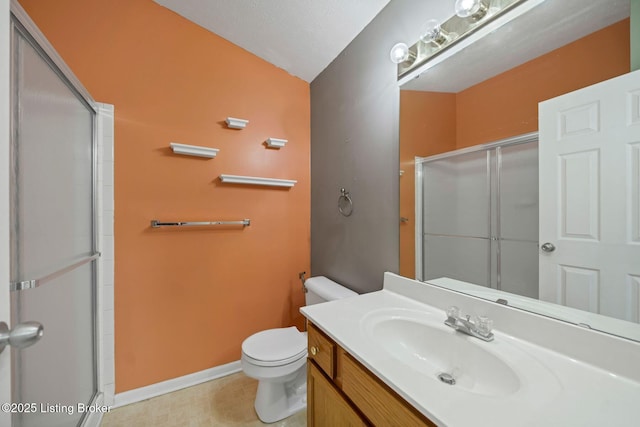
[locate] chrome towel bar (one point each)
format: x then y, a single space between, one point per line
156 224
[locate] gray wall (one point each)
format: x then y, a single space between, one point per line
354 144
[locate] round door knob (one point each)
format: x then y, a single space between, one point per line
21 336
548 247
314 350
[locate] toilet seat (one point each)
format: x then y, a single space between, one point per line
275 347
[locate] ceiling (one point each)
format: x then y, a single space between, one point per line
300 36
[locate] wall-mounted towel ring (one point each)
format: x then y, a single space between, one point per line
345 204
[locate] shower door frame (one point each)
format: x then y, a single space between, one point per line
419 194
5 301
15 16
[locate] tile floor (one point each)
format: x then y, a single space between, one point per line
227 401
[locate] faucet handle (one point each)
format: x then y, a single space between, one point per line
453 312
483 325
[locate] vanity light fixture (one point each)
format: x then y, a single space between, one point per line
473 19
233 123
432 32
474 9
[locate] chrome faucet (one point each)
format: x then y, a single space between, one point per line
479 327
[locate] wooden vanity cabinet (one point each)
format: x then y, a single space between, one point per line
322 350
326 407
342 392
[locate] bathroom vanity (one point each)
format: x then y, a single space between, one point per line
341 391
387 358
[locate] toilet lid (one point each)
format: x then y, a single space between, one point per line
275 344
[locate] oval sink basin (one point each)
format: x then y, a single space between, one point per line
431 348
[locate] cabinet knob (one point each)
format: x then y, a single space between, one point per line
314 350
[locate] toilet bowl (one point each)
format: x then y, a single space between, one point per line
277 358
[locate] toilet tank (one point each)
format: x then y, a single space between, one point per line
320 289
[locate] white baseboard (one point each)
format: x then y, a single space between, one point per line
153 390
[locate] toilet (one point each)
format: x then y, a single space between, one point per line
277 358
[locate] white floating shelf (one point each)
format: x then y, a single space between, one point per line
254 180
276 143
194 150
234 123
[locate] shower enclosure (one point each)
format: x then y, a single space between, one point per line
477 211
53 236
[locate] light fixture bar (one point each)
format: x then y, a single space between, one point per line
460 33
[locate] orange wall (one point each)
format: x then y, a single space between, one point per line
507 105
427 127
503 106
185 299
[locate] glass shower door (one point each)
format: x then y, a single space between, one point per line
456 218
518 219
480 216
53 243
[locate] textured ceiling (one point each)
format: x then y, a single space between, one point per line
300 36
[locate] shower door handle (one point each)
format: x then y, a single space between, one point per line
21 336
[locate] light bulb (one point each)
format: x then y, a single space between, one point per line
432 32
399 53
475 9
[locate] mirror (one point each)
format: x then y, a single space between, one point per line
488 93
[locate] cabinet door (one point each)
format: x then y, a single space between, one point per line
374 399
326 407
322 350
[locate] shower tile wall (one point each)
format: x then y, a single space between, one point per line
106 365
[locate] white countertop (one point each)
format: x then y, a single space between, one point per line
555 390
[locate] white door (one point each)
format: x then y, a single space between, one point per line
589 198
